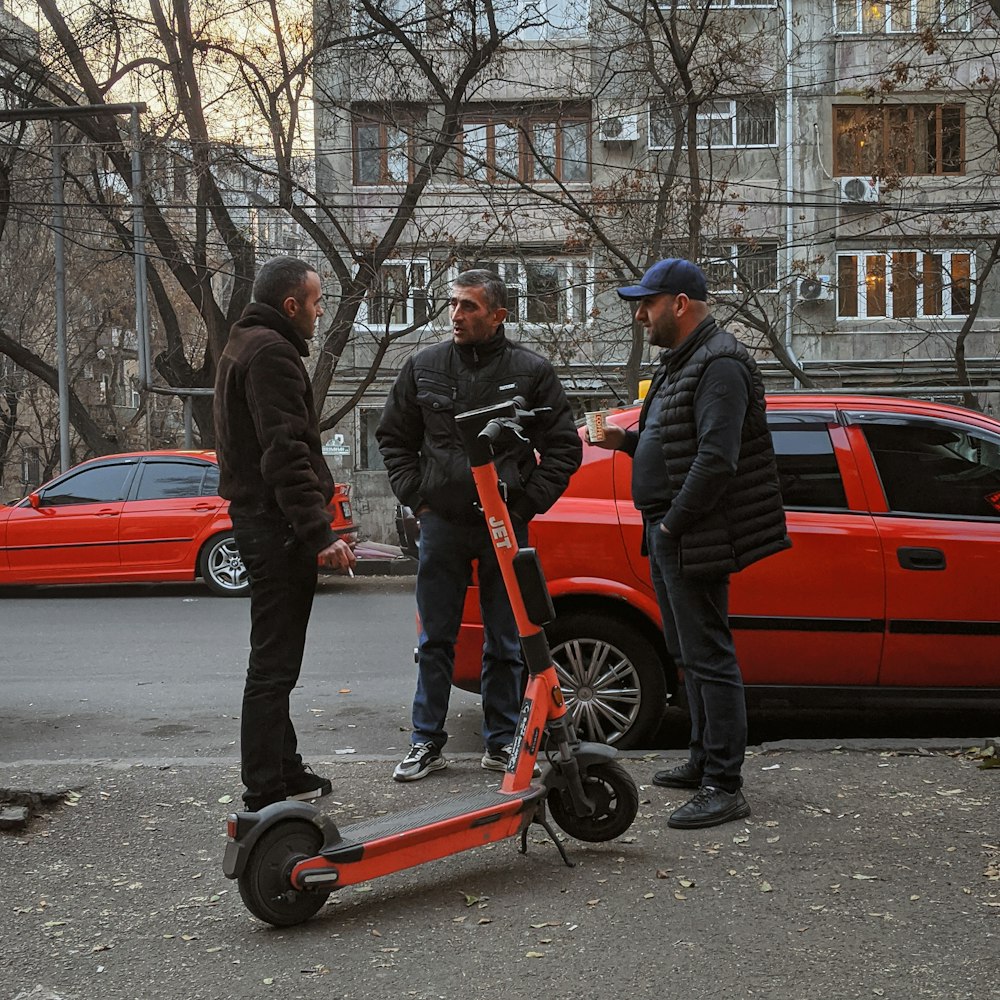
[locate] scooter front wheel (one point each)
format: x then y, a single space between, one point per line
611 788
265 885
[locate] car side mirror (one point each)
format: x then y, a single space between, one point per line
35 500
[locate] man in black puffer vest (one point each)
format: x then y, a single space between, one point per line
705 480
273 472
429 471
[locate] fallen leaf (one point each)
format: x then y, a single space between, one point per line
226 799
949 791
649 895
548 923
344 691
534 954
680 896
865 878
766 887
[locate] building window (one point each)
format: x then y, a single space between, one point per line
528 20
31 467
721 124
544 292
873 18
407 14
369 456
741 267
666 5
533 147
908 139
384 150
904 284
400 296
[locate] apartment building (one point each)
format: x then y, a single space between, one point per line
831 163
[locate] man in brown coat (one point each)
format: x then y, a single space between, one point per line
277 481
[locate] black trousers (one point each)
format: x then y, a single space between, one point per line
282 584
696 628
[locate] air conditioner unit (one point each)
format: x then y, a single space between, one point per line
619 126
815 288
859 190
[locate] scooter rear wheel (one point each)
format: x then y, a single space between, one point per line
614 793
265 885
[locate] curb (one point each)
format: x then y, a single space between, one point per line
402 566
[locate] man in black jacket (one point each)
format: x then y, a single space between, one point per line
273 472
429 471
705 480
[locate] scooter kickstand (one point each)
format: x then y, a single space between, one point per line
546 826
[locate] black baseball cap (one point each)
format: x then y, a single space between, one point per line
674 276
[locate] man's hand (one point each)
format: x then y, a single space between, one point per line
614 438
337 556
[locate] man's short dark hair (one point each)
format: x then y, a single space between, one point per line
493 287
278 278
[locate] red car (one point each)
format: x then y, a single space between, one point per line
145 517
892 583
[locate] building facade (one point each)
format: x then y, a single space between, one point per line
831 163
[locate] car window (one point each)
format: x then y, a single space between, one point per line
807 466
210 487
928 467
102 484
170 480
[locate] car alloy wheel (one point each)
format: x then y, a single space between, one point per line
611 677
222 568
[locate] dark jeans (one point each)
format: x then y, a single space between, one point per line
447 551
282 584
696 627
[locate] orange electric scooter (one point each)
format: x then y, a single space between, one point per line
289 856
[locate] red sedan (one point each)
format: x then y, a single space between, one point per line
144 517
892 583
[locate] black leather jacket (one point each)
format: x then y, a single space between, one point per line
420 442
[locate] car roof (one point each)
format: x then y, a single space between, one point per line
830 402
204 455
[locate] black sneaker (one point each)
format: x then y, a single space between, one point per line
710 807
684 775
307 785
421 759
497 760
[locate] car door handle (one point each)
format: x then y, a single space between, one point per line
106 513
910 558
204 506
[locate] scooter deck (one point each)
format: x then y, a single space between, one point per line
403 840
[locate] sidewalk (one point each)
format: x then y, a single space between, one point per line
862 873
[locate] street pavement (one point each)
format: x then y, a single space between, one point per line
866 871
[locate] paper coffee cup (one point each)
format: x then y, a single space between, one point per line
595 425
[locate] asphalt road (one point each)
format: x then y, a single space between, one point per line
149 671
135 672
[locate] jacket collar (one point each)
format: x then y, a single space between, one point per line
679 356
477 355
259 314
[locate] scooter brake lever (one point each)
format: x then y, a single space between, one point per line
522 414
515 426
